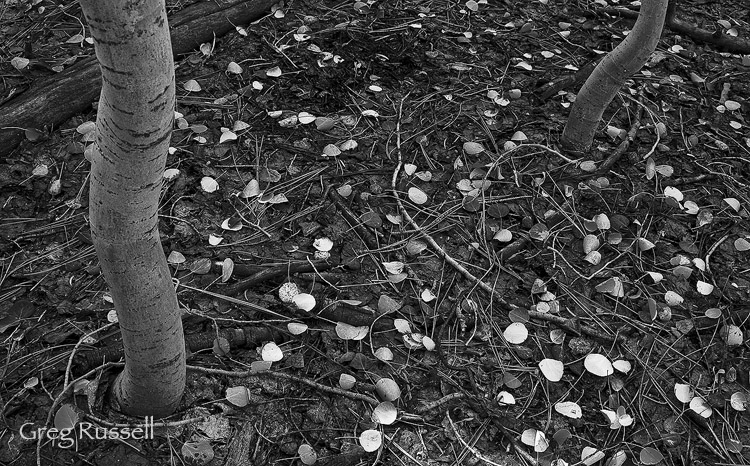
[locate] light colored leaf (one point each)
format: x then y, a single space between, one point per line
473 148
271 352
699 405
535 438
552 369
602 221
171 173
644 244
304 301
590 243
307 454
347 381
402 325
305 118
588 166
614 132
323 244
569 409
673 299
428 343
351 332
622 365
713 313
234 68
232 224
612 286
349 144
344 190
733 203
519 136
417 196
197 452
227 136
732 335
209 184
296 328
590 456
741 244
413 341
384 413
539 232
370 440
387 389
683 392
516 333
86 127
331 150
503 235
239 125
427 295
738 401
664 170
524 65
732 105
704 288
192 86
594 257
504 398
176 257
394 267
237 396
19 63
227 267
252 189
674 193
598 364
274 72
384 354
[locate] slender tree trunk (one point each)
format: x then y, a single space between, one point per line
133 129
604 83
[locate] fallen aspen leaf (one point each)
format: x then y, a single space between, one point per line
552 369
598 364
569 409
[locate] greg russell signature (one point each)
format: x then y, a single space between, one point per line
69 437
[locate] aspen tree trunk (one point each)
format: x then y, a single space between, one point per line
604 83
133 129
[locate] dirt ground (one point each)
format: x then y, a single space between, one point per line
529 306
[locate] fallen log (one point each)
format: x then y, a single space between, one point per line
52 100
716 39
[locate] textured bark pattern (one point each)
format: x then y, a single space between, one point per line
607 78
133 128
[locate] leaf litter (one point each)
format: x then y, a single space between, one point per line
636 264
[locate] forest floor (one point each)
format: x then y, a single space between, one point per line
530 308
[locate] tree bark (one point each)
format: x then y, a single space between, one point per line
617 66
133 130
